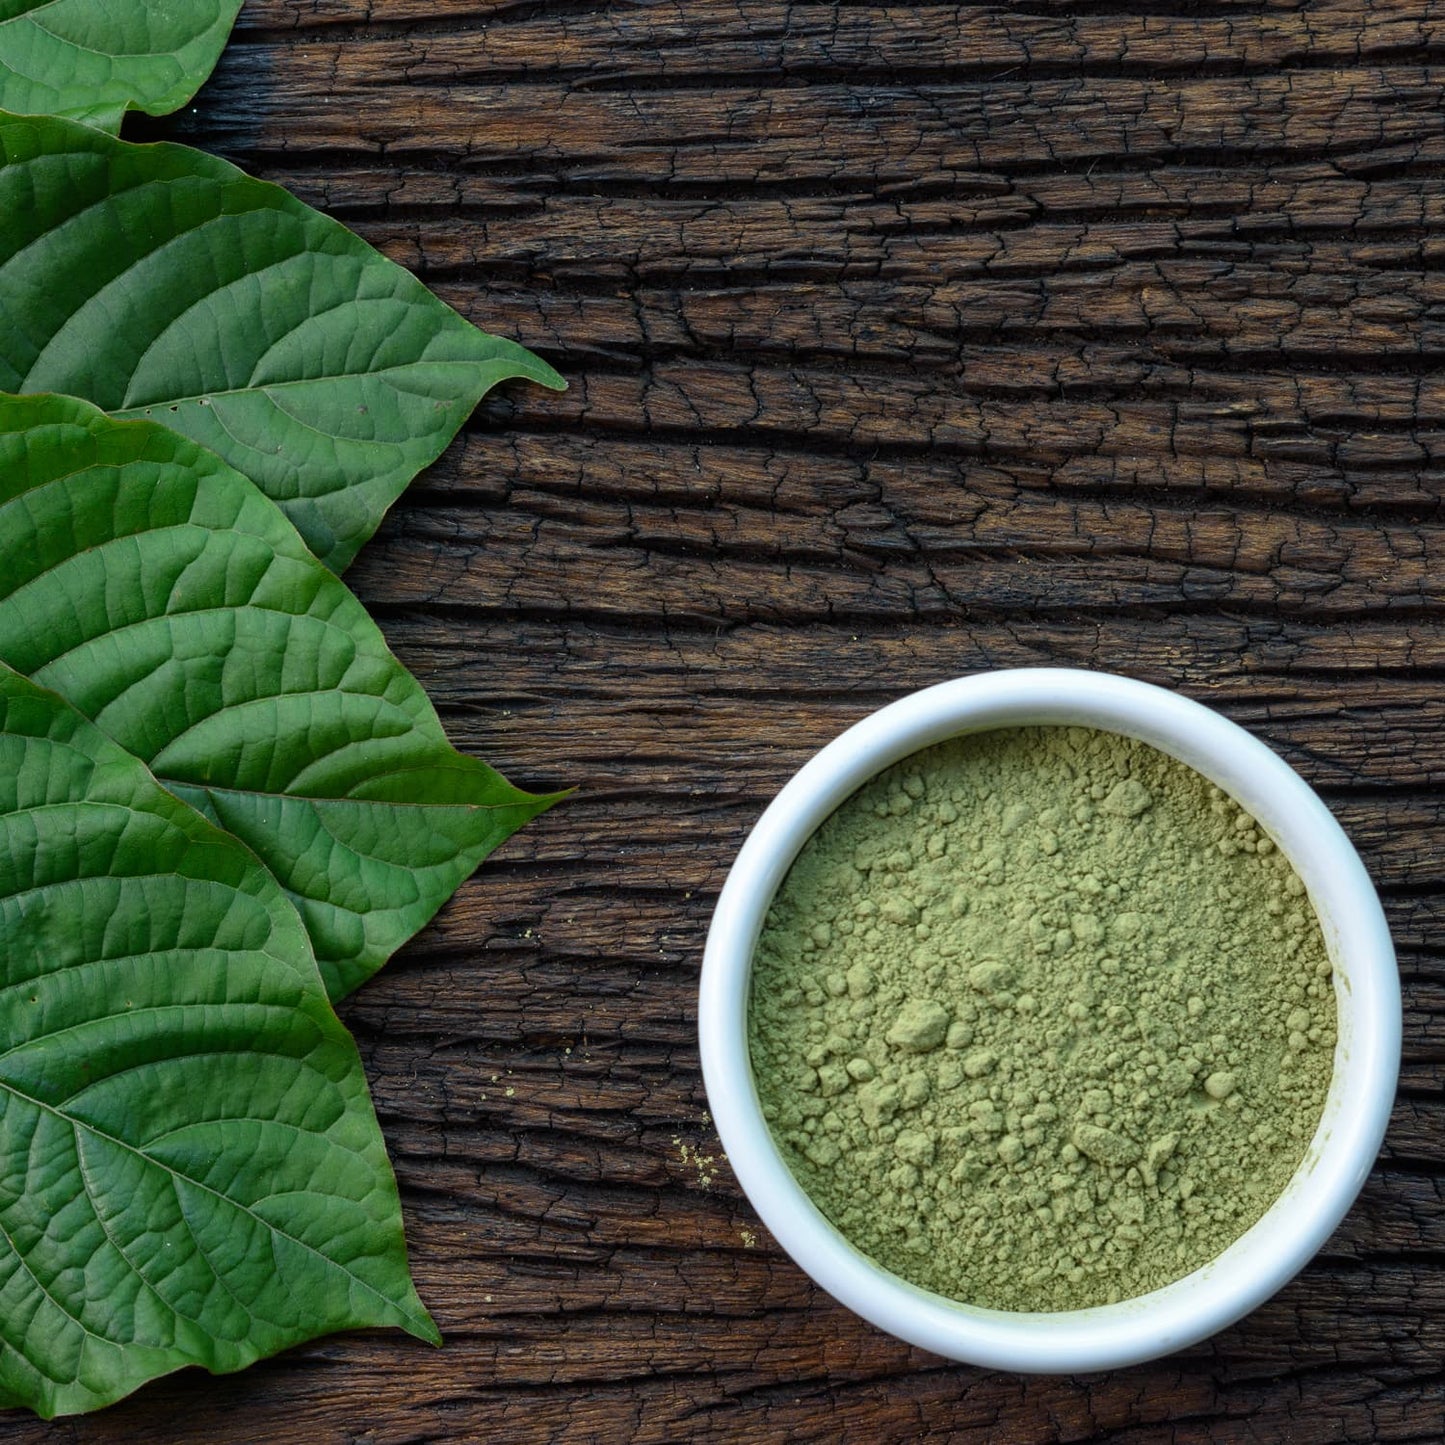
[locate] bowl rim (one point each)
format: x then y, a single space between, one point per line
1367 1053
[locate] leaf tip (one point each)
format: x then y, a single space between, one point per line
545 375
538 803
420 1324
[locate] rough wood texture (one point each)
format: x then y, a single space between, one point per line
904 340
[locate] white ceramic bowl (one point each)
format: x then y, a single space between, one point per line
1367 1055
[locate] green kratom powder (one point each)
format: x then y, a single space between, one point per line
1041 1020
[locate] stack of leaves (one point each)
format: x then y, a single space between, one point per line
223 802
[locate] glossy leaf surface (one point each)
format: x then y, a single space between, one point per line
158 591
190 1168
92 62
159 282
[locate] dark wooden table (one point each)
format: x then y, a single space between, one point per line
904 340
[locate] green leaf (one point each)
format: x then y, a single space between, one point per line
190 1169
159 592
159 282
92 62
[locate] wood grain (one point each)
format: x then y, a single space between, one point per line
903 341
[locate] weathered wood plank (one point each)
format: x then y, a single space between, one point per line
505 225
1344 727
459 39
862 136
1012 402
847 498
1232 308
1003 551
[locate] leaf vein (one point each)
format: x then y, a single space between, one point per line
204 1188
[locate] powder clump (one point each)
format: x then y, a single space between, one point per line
920 1026
1041 1019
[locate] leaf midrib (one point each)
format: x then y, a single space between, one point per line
360 802
270 386
115 1244
253 387
174 1174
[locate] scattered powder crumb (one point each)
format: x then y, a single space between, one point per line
705 1165
1041 1019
